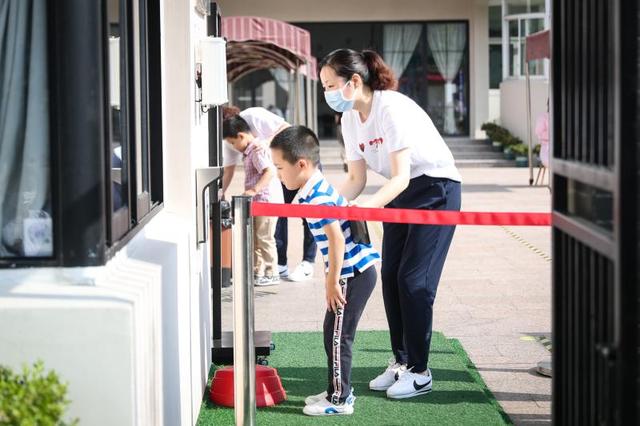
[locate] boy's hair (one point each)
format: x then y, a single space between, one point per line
297 142
233 125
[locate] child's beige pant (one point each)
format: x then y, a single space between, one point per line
265 254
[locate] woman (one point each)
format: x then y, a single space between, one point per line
391 134
264 126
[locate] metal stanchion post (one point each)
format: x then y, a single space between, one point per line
243 322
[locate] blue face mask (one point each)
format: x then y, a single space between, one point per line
336 100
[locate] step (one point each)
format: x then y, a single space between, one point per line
485 163
472 148
467 143
478 156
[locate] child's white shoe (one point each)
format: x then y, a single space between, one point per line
325 408
323 395
303 272
262 281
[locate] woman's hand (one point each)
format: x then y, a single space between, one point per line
334 296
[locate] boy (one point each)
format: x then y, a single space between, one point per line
350 274
262 184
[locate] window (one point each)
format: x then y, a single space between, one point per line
495 46
131 122
515 7
26 226
447 102
80 151
119 150
519 29
521 18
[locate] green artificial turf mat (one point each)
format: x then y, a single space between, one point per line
459 395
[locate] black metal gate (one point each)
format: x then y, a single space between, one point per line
596 181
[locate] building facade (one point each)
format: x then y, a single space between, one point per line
461 60
102 275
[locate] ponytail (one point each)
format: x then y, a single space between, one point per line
229 112
381 76
367 64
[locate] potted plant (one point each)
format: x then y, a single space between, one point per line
499 135
508 153
521 151
489 129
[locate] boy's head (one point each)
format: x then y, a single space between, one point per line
236 131
296 153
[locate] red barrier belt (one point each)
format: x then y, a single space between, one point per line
422 217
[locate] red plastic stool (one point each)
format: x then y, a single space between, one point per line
269 390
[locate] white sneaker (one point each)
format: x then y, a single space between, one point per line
410 384
303 272
283 271
262 281
325 408
275 279
310 400
389 377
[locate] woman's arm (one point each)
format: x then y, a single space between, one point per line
400 175
227 176
356 180
335 298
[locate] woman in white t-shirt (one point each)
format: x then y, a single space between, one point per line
388 132
265 125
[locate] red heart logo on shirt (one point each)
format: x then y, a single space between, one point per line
362 147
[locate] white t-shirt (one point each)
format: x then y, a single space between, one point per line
397 122
263 124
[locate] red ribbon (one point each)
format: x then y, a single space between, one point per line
421 217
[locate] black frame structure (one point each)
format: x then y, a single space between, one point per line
596 163
214 28
83 229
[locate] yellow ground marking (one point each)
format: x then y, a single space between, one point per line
544 340
527 244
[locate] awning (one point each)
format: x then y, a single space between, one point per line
255 43
538 46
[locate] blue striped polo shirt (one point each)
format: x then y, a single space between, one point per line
357 256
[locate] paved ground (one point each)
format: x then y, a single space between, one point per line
494 296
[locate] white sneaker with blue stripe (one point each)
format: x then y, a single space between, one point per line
325 408
310 400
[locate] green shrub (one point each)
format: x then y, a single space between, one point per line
488 126
32 397
499 134
520 149
516 141
536 149
496 133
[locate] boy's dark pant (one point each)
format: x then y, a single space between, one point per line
282 234
340 330
412 260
